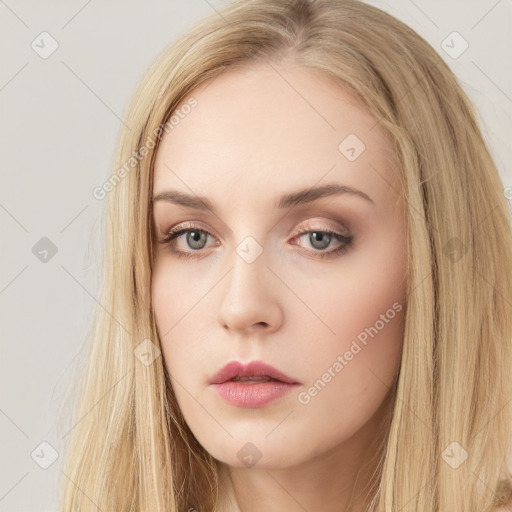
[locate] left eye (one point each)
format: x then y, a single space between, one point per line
321 238
196 240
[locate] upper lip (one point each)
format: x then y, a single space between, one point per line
252 369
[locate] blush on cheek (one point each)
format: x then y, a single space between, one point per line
370 335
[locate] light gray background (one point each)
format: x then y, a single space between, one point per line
60 118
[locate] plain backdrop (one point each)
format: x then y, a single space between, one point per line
60 117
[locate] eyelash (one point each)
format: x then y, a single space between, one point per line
174 233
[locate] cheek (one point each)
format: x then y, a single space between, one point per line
172 304
365 290
164 303
176 298
364 308
180 310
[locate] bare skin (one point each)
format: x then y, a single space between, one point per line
256 134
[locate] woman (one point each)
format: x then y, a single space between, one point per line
307 279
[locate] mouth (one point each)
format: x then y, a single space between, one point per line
250 386
252 380
255 371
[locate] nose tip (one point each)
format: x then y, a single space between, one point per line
239 311
249 293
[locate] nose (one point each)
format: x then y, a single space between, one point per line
249 301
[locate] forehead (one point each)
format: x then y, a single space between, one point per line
266 128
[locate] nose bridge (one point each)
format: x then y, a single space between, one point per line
247 278
248 295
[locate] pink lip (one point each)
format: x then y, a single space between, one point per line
252 369
247 394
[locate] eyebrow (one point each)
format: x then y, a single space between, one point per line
292 199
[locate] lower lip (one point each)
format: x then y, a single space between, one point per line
243 394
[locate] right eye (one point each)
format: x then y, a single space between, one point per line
195 239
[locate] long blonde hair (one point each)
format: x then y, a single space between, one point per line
130 448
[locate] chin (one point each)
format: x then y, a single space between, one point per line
260 453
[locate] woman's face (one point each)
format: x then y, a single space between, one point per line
258 276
